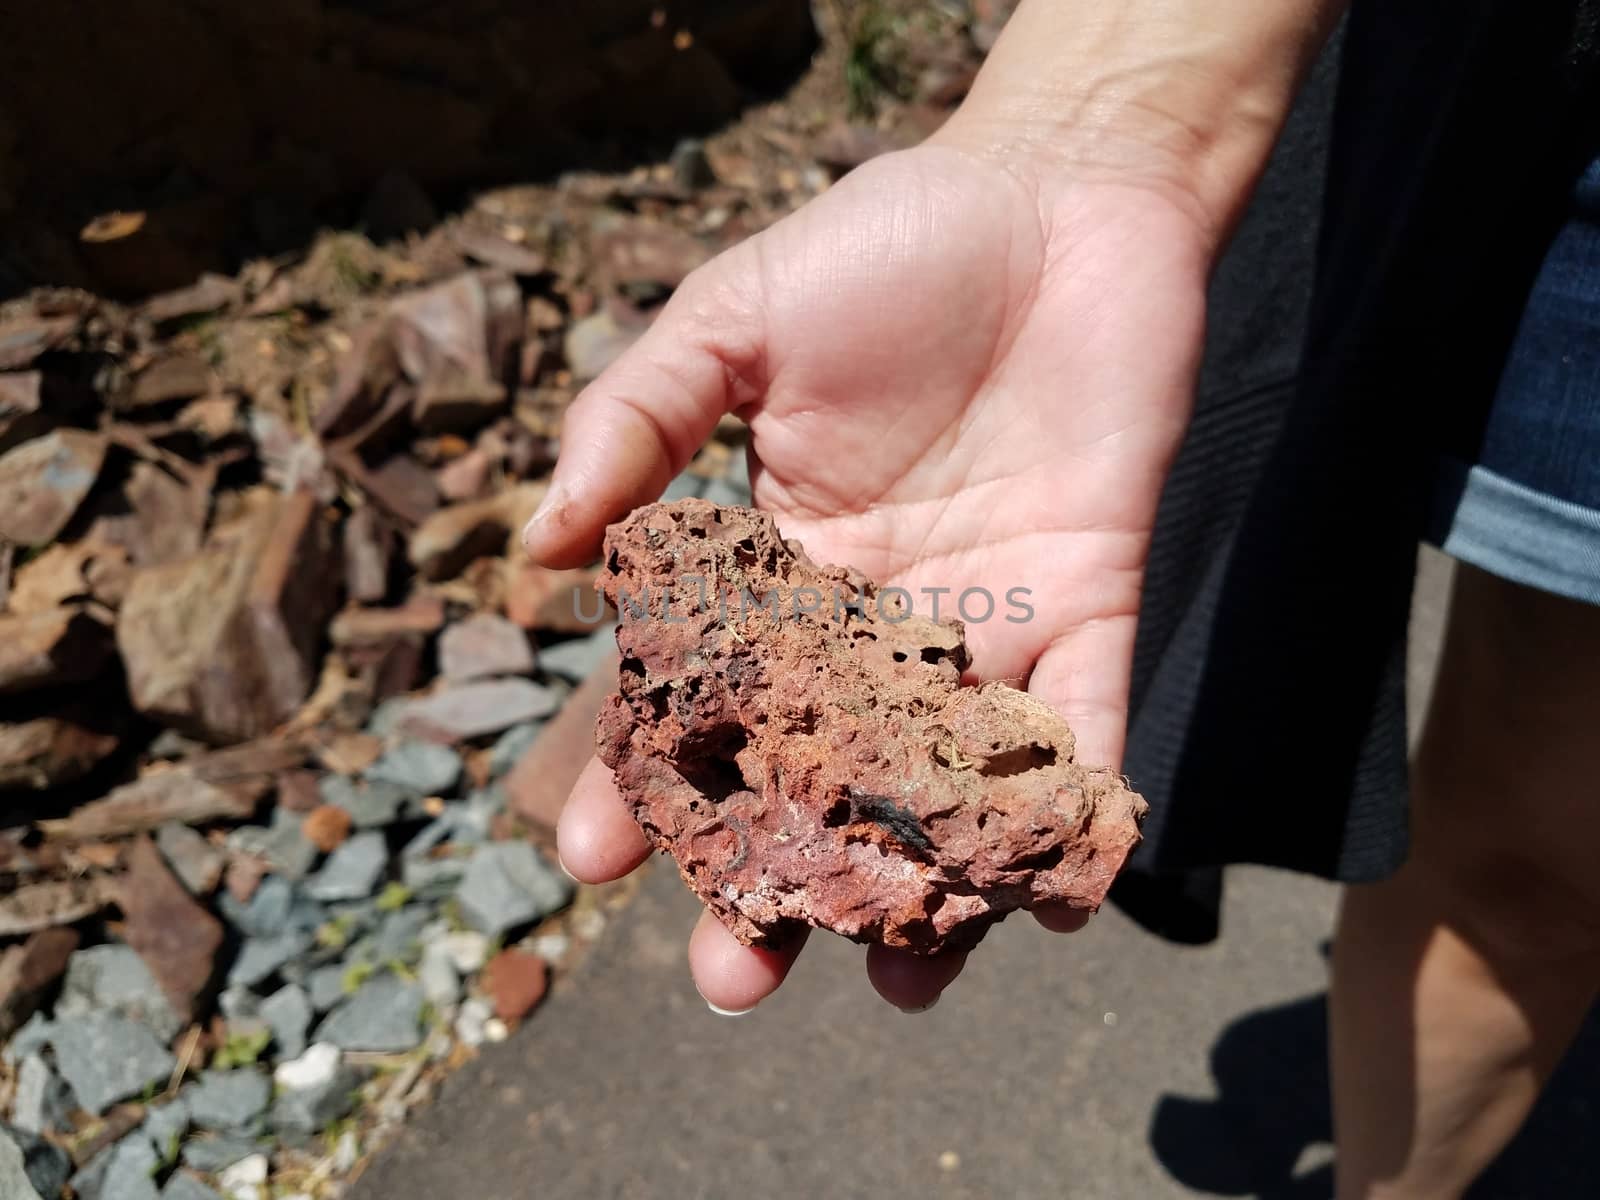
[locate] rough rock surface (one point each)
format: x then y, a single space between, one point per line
828 768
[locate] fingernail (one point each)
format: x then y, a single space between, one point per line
921 1008
562 863
729 1012
553 498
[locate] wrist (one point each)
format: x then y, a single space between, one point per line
1180 97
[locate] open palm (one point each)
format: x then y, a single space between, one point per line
956 376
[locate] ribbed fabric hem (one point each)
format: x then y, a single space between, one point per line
1517 533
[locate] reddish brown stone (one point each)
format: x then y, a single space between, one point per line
175 936
420 616
555 601
61 645
350 753
515 982
538 785
42 482
451 538
367 545
27 971
48 751
179 376
91 569
828 768
297 791
224 644
243 876
36 906
326 827
176 794
482 645
464 477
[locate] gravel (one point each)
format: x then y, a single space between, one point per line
420 768
385 1015
289 1013
508 885
106 1058
112 979
353 870
228 1101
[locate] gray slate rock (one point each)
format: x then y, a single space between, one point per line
385 1015
14 1181
105 1058
387 716
42 1101
723 491
371 806
228 1101
325 985
511 746
114 979
33 1036
473 710
683 487
238 1004
508 885
353 870
217 1153
575 658
281 845
399 936
28 1162
186 1187
125 1171
420 768
436 974
288 1012
311 1110
269 911
165 1127
260 958
195 861
433 878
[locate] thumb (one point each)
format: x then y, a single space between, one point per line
636 426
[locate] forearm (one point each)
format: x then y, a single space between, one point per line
1183 95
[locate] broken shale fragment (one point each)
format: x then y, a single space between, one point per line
809 757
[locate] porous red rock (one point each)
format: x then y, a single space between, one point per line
827 767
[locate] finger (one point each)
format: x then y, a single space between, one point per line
732 977
1085 677
1060 918
596 837
643 419
912 982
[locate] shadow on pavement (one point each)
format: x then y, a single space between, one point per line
1271 1115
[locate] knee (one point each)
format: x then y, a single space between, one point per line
1511 905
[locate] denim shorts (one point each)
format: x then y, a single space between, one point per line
1528 509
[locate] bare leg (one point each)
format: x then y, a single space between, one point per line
1458 984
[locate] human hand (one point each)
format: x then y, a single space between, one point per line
957 373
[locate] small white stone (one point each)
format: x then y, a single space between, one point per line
1110 1018
244 1180
312 1069
467 951
472 1022
346 1153
552 947
495 1030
